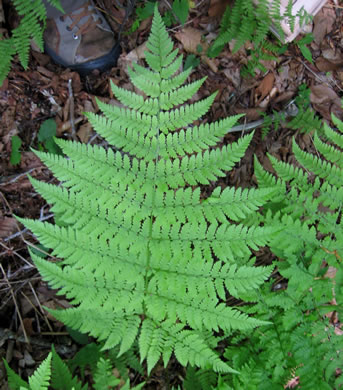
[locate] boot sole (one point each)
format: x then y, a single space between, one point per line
102 63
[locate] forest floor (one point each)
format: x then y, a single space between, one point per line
28 98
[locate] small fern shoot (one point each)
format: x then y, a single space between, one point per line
38 381
54 373
144 257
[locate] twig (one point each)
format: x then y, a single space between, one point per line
15 178
71 109
291 110
25 230
16 305
6 334
317 76
11 211
40 307
17 254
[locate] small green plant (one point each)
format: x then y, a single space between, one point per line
32 24
142 13
53 373
177 14
192 61
246 22
305 120
15 153
46 134
305 51
181 10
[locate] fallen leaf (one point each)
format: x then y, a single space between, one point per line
323 24
331 272
251 114
7 226
190 39
292 383
218 7
233 75
136 54
85 132
325 65
326 101
193 43
264 88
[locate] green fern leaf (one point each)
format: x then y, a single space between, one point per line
41 377
103 376
14 380
144 257
61 377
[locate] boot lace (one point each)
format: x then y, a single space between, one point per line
91 23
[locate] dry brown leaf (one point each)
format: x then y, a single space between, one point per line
125 61
217 7
323 24
333 55
85 132
324 65
251 114
326 101
234 75
210 63
7 226
190 39
264 88
192 42
29 160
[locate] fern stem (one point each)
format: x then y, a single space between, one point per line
154 188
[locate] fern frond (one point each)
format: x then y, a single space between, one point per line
329 152
103 376
41 377
144 257
306 121
61 377
8 49
335 137
325 170
14 380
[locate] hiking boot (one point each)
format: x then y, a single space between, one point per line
81 40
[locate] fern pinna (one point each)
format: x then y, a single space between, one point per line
144 257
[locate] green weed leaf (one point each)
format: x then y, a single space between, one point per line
15 154
181 9
305 51
192 61
46 135
47 130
